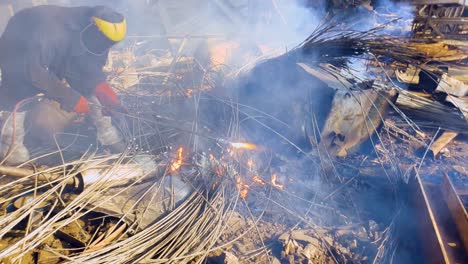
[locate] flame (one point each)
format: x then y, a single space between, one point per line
220 53
244 192
276 185
258 180
176 164
242 188
243 145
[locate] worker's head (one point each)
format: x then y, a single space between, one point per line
107 28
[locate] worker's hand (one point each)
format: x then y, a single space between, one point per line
82 106
109 100
106 96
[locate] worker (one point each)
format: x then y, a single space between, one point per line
59 53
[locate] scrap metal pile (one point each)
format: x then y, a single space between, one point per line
218 169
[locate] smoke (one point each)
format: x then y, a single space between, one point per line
282 23
397 16
277 89
276 23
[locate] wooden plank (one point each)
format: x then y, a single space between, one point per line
441 115
457 209
429 229
442 241
441 142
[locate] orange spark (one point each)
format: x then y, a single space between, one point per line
176 164
243 145
242 188
258 180
276 185
243 193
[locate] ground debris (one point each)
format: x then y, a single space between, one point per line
353 118
319 246
217 203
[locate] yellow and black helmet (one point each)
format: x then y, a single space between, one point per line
110 23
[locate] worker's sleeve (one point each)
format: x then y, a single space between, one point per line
47 81
53 87
88 74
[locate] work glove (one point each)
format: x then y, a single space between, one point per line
82 106
108 98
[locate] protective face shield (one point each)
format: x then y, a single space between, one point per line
107 27
113 31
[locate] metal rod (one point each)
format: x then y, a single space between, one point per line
23 173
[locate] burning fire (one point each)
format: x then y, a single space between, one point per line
176 164
242 188
220 53
243 145
276 185
258 180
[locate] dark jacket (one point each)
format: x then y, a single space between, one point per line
40 48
